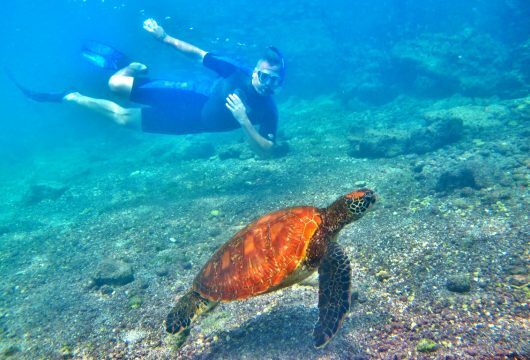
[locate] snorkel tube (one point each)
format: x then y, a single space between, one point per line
282 61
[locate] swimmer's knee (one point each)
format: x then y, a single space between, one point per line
121 84
122 117
129 118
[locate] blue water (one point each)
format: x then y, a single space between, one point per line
352 67
40 42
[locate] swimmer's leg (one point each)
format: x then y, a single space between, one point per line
128 117
122 81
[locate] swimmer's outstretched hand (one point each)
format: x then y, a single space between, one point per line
152 27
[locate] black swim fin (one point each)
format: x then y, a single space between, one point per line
103 56
38 96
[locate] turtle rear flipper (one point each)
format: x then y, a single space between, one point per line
187 309
334 279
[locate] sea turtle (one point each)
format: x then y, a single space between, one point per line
275 251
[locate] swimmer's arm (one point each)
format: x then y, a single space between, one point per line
151 26
184 47
258 143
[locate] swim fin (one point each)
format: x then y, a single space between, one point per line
38 96
103 56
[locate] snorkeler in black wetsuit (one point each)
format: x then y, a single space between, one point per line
241 98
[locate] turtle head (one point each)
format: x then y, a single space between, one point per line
348 208
357 202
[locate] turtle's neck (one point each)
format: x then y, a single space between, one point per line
336 216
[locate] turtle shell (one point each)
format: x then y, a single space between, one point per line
260 257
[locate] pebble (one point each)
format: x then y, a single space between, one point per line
458 283
383 275
106 290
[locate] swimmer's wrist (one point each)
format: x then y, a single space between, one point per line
162 36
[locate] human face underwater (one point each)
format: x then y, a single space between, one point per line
266 78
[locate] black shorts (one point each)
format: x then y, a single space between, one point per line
172 107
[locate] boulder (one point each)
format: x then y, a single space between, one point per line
113 272
441 132
434 136
458 283
40 192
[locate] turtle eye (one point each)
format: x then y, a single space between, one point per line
369 197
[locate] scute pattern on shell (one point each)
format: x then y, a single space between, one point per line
260 256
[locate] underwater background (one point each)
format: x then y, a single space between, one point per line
426 102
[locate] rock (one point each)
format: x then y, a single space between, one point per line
438 134
162 271
361 296
354 295
456 179
134 336
113 272
518 280
10 351
360 184
418 168
458 283
426 346
230 153
467 177
66 352
106 290
135 301
483 283
383 275
390 143
517 269
450 67
197 151
382 146
41 192
25 225
172 258
142 284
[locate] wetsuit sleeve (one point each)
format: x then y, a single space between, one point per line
221 65
268 127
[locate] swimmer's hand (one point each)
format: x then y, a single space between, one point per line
151 26
237 108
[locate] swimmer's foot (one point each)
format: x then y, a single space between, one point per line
73 96
133 69
138 68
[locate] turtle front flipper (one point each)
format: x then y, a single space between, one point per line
187 309
334 279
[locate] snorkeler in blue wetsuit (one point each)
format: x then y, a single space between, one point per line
240 99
